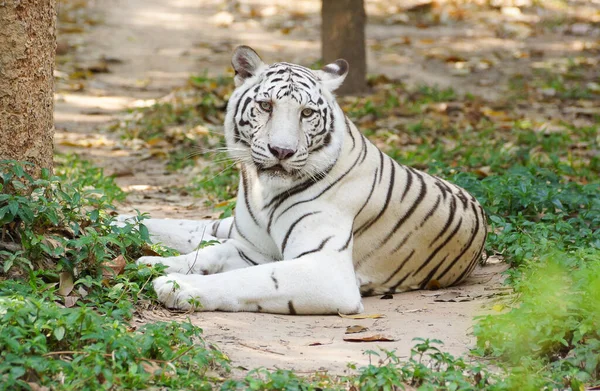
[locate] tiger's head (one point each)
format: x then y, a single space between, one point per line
283 119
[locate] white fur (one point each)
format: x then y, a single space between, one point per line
310 253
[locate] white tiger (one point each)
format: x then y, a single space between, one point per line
322 214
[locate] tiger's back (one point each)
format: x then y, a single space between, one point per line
413 230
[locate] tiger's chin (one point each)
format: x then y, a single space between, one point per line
278 174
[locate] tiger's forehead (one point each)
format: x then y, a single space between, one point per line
284 80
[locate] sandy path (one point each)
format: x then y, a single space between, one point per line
152 47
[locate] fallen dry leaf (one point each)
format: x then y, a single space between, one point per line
148 252
152 368
320 343
65 285
113 268
433 285
355 329
37 387
453 297
70 301
362 316
370 338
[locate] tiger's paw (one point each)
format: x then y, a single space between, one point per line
184 293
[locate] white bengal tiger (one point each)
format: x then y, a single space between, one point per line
322 214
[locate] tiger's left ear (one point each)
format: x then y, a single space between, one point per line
246 63
332 75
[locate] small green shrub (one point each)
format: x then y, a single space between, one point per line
79 349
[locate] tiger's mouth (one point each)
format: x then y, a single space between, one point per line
276 170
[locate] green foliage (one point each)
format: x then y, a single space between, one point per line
533 210
553 334
63 221
79 339
428 368
79 349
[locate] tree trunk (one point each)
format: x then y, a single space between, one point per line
27 48
343 36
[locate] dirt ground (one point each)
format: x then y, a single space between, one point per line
139 50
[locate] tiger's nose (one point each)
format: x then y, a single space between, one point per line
281 153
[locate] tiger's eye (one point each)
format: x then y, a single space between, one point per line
266 106
307 112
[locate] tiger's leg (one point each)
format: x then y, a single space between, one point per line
185 235
317 283
316 276
222 257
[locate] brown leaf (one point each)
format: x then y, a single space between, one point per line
362 316
453 297
113 268
370 338
433 285
66 284
70 301
148 252
153 368
355 329
320 343
37 387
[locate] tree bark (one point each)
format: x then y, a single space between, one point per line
343 36
27 49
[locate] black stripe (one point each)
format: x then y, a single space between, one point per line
411 210
347 242
380 164
448 221
369 196
215 228
428 278
470 268
403 242
231 228
274 280
244 107
350 133
316 249
466 247
434 253
409 181
287 235
432 210
388 197
245 257
245 194
291 308
237 229
398 269
443 188
364 139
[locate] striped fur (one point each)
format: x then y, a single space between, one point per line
315 192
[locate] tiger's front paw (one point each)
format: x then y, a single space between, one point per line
185 292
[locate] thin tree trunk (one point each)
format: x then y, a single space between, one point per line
343 36
27 49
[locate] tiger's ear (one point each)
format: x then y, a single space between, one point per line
332 75
246 63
